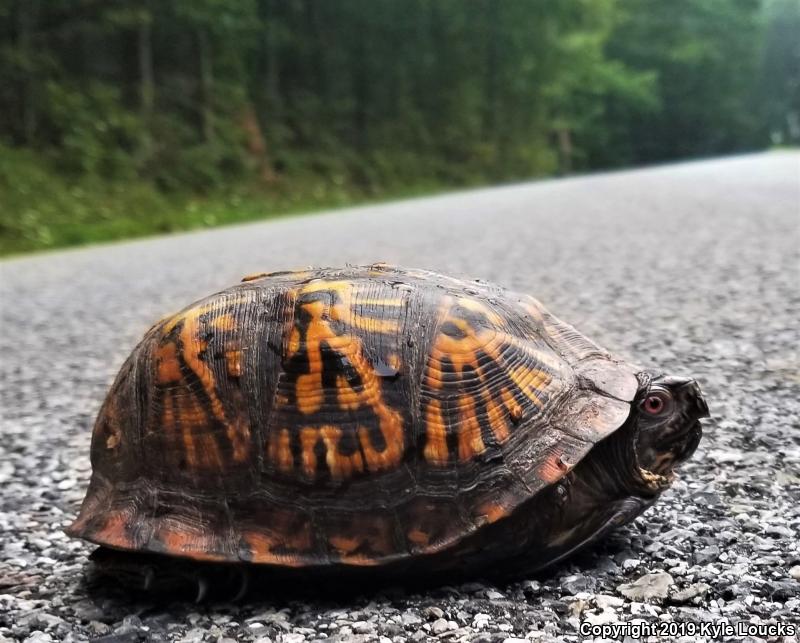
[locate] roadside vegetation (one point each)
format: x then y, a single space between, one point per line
130 117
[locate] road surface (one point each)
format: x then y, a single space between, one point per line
692 268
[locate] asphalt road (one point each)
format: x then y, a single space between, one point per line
691 268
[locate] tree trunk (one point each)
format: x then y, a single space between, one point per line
256 145
206 84
317 53
264 112
491 71
147 87
564 149
361 95
26 21
266 80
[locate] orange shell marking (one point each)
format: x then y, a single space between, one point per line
188 385
326 334
479 379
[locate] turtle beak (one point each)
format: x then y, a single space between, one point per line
695 400
695 408
687 392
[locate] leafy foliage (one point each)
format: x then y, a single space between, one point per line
121 116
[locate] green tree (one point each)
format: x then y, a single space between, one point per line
779 73
704 54
190 101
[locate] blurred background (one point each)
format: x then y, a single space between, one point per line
124 118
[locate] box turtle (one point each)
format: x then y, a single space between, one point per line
381 419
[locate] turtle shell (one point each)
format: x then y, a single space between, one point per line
360 416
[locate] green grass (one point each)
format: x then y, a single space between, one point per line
40 209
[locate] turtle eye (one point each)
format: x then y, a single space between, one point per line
657 403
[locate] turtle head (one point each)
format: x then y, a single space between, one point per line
668 412
623 474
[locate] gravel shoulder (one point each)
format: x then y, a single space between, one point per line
693 268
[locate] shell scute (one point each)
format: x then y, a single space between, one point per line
332 401
480 381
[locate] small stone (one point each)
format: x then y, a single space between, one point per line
606 601
574 584
193 617
494 595
410 618
608 566
679 569
133 637
98 628
291 638
653 586
40 543
362 627
39 637
88 611
783 590
195 635
779 530
439 626
48 621
602 618
577 607
433 612
706 555
693 591
481 620
794 572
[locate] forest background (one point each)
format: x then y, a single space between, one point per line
121 118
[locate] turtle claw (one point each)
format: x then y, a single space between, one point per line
202 589
149 577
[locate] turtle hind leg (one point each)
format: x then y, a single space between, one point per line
154 575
